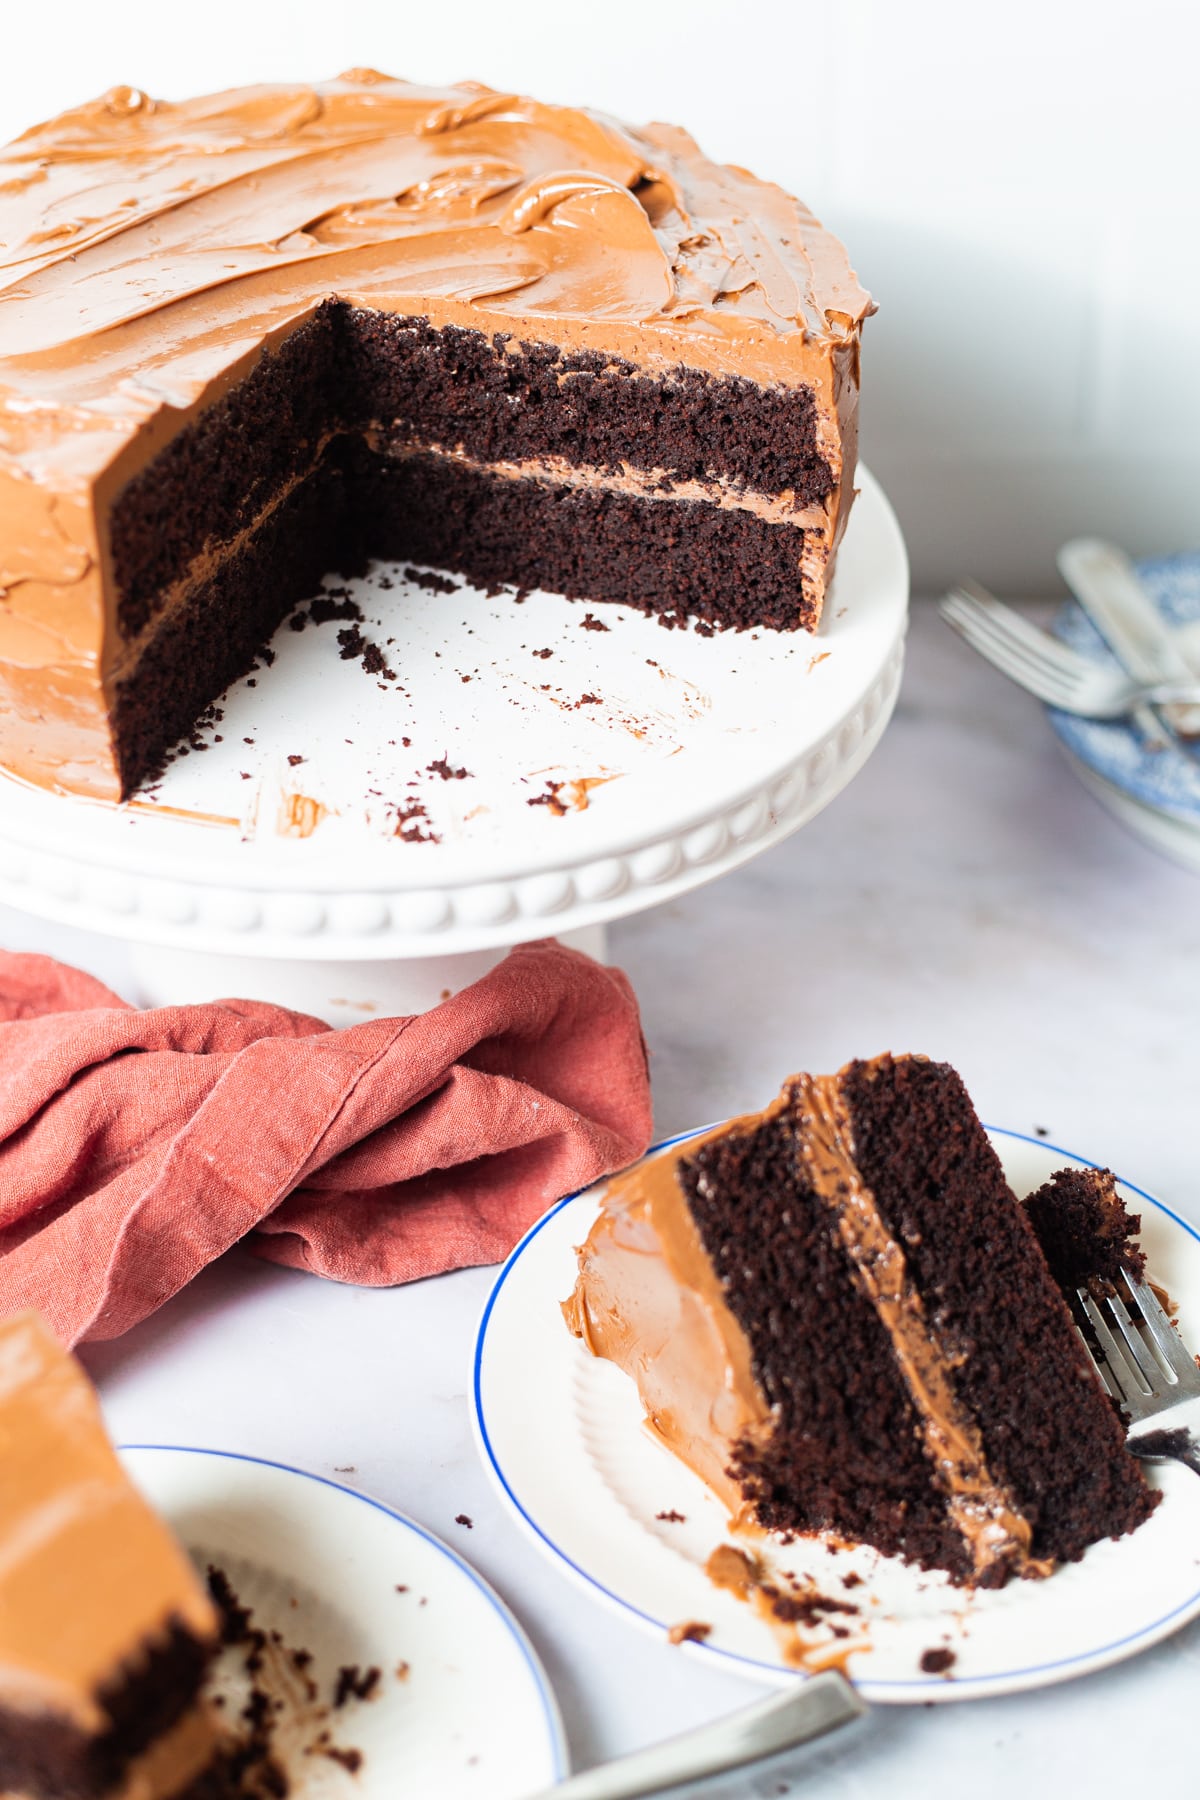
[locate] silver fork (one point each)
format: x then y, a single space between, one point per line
1044 666
1147 1367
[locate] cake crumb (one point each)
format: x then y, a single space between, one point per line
543 654
354 1683
938 1661
671 1517
464 1519
350 1760
402 1671
590 623
433 584
691 1631
443 769
412 824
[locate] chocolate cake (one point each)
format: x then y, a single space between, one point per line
255 337
1084 1229
839 1315
105 1631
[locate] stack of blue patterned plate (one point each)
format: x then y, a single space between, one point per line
1156 793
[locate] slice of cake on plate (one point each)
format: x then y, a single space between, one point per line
105 1630
253 337
839 1315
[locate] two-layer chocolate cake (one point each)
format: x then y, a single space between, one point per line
839 1315
254 337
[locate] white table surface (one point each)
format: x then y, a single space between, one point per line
963 898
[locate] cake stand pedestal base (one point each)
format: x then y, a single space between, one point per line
340 992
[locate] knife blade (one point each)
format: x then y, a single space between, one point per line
1106 585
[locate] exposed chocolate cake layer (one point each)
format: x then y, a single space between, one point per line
211 638
845 1454
346 372
212 480
677 561
505 400
1084 1229
1048 1431
51 1758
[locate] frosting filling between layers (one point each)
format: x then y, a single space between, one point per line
978 1505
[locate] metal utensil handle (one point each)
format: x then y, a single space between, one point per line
813 1708
1106 585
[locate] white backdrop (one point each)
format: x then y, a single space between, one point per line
1017 185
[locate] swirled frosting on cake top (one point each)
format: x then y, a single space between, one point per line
144 244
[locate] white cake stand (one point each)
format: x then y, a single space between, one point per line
323 852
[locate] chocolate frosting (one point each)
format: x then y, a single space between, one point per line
649 1300
89 1576
150 250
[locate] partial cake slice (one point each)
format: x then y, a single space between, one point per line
1084 1229
105 1631
838 1313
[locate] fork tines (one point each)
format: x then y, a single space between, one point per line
1146 1365
1027 655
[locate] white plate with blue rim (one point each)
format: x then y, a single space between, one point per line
562 1435
1166 782
446 1695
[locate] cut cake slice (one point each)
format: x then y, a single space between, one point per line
838 1313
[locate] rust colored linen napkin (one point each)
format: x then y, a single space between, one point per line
137 1146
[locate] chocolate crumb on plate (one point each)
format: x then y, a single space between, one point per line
350 1760
671 1517
937 1661
433 584
354 1683
691 1631
463 1519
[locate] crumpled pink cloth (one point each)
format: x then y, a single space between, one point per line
137 1146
